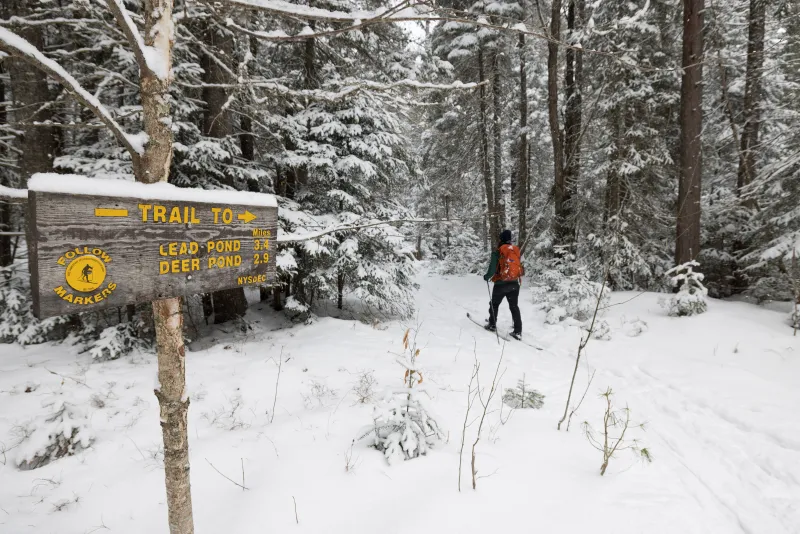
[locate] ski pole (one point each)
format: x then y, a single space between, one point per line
492 313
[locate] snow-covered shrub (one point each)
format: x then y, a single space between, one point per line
691 296
62 433
116 341
602 330
297 311
572 296
634 328
17 323
402 426
523 396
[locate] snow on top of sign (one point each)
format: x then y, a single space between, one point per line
10 192
81 185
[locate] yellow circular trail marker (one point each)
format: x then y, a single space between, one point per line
85 273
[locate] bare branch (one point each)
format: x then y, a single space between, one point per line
226 477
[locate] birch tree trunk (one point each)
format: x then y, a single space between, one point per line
167 314
752 97
687 241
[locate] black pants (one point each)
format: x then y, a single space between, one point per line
510 291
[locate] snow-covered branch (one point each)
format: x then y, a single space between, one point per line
349 90
296 238
20 48
148 57
407 11
21 21
281 7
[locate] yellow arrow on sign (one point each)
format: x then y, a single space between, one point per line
246 216
110 212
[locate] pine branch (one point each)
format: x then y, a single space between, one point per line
20 48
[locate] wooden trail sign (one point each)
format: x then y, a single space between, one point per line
95 244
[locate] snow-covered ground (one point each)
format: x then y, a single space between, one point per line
719 393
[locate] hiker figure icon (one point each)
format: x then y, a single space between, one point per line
505 270
86 273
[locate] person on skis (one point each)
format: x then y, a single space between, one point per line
505 270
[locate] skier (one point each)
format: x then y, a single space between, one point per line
505 270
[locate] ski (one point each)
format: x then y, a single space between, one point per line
505 337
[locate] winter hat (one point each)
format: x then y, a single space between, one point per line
505 236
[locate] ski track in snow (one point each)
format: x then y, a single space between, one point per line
718 393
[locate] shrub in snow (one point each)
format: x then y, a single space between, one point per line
364 389
572 296
402 427
691 296
63 433
602 331
320 393
17 323
615 435
634 328
297 310
523 397
116 341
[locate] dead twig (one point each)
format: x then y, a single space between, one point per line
277 383
582 346
226 477
470 400
576 408
485 405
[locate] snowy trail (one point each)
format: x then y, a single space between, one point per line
719 393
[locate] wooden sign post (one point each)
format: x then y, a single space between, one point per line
98 243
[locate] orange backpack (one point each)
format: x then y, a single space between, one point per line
509 268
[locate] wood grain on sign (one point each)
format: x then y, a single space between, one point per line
90 252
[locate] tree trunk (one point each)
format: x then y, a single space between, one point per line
559 186
229 304
497 132
494 232
522 166
277 304
167 314
752 97
38 144
174 407
447 219
311 79
687 242
573 124
246 139
5 207
339 290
